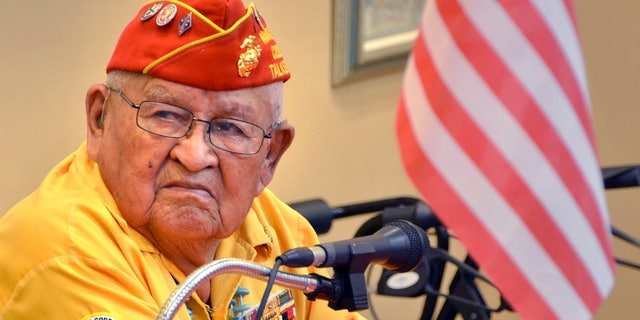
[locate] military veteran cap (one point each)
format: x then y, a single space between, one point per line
210 44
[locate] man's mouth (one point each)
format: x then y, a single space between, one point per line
192 188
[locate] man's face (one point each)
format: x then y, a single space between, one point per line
177 189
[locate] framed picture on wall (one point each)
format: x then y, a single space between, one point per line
372 36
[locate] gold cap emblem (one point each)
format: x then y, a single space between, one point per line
248 60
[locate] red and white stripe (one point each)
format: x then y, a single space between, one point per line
495 130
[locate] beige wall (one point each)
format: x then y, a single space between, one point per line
345 149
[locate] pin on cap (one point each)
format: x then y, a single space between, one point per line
249 59
151 11
258 17
185 24
166 15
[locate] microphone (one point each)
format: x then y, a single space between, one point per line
398 245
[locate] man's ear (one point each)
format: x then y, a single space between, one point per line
281 139
94 105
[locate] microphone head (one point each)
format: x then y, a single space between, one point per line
418 244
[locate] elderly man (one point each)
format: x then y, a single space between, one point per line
182 140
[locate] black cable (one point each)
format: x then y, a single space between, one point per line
627 263
468 302
630 240
267 290
618 233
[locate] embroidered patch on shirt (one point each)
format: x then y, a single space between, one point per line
100 316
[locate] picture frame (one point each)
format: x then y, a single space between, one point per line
372 36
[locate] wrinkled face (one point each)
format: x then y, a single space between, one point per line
183 188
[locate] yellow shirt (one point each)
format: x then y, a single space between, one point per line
67 253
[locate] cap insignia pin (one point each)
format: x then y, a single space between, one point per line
258 17
166 15
151 11
248 60
185 24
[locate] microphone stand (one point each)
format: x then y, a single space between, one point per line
321 215
314 286
351 280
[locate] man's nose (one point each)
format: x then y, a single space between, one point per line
195 150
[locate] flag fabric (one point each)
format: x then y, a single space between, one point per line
494 126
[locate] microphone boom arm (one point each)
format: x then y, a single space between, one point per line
312 285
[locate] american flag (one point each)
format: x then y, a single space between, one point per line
495 130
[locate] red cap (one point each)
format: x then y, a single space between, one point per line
210 44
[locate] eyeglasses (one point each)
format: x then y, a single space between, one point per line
168 120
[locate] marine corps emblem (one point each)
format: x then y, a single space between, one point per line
248 60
